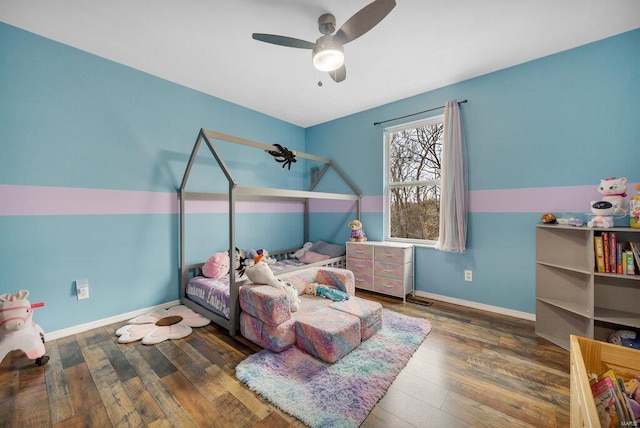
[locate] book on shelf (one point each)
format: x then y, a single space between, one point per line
635 249
620 267
613 243
630 265
605 247
599 253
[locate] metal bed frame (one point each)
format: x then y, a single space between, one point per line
237 193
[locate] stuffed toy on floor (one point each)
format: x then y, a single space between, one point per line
260 273
18 331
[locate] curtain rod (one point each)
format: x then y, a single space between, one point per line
414 114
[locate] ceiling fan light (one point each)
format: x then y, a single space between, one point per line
328 59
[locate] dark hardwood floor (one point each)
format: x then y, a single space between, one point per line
474 369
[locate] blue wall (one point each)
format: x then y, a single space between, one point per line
78 130
83 131
553 125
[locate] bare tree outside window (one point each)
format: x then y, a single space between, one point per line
414 156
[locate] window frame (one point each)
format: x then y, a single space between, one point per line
388 185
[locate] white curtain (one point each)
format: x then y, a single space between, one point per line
453 209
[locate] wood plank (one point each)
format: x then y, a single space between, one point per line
191 399
118 405
84 397
156 387
95 336
195 373
253 402
117 360
9 389
32 409
156 360
59 401
69 349
143 401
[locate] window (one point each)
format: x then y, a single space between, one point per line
414 155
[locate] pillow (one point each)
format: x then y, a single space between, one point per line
331 250
311 257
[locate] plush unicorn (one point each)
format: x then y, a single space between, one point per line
17 329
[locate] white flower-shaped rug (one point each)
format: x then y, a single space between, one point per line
160 325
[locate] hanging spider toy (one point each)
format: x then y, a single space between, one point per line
283 155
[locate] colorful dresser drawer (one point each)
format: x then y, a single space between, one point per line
360 267
393 254
360 251
393 270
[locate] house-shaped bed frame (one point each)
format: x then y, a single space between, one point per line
245 193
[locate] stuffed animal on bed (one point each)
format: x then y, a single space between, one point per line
260 273
303 250
238 261
326 292
216 266
253 254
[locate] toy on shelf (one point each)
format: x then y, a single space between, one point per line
18 331
626 338
614 191
548 218
357 233
603 211
634 209
326 292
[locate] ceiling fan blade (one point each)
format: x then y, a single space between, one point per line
364 20
339 75
283 41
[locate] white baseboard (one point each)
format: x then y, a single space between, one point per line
106 321
475 305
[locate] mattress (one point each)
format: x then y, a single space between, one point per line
213 293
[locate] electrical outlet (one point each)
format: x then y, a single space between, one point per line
468 276
82 288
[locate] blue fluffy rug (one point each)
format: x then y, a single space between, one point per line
340 394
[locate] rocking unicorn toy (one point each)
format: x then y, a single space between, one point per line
17 329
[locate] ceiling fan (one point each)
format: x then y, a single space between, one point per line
328 51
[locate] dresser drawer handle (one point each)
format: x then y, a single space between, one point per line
388 270
360 266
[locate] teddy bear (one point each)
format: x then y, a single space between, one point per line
325 291
614 191
357 234
216 266
603 211
260 273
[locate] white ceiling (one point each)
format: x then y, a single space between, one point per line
420 46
